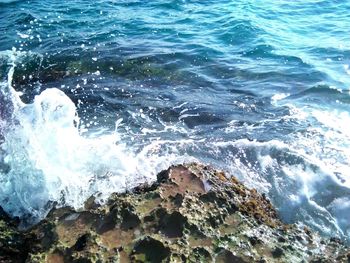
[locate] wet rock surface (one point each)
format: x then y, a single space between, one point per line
193 213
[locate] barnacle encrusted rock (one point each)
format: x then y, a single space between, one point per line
193 213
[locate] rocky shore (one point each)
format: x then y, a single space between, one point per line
192 213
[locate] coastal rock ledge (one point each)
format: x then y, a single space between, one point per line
192 213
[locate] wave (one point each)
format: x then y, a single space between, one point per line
302 189
4 2
45 159
322 94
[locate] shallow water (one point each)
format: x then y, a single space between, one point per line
258 89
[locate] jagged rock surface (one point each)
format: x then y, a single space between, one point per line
193 213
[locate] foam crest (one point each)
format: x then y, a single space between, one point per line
327 142
301 186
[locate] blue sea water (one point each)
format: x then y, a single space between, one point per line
98 96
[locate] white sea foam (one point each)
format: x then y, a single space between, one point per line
307 175
279 96
48 160
302 187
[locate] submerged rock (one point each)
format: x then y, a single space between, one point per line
193 213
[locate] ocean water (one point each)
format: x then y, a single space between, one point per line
99 96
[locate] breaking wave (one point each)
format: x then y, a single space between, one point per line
46 160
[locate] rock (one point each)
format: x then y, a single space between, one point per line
14 246
277 252
150 250
192 213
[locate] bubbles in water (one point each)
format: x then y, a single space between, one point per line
48 160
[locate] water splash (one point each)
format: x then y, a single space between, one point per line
47 159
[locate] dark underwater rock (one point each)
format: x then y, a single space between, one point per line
14 245
193 213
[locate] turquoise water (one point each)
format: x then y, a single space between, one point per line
257 88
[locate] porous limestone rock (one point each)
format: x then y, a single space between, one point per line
192 213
